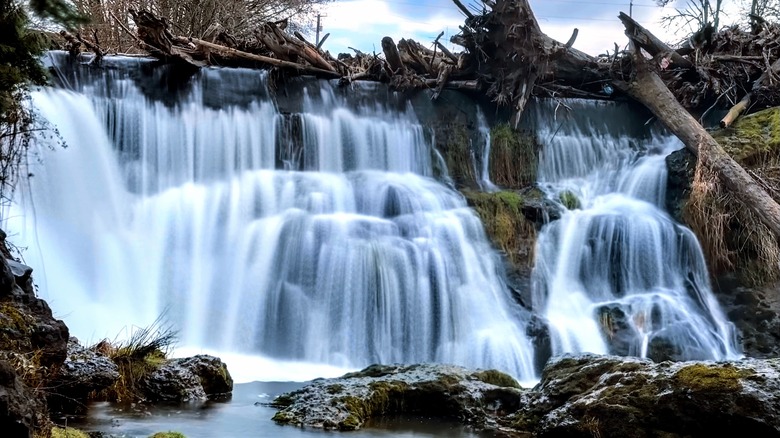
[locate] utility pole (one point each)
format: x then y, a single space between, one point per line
630 9
317 43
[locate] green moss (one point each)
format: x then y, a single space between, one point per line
68 432
334 389
283 401
283 417
168 435
455 144
501 214
352 422
569 200
752 138
497 378
513 157
709 378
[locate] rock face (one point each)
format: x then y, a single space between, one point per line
189 379
84 371
33 346
578 396
21 408
346 403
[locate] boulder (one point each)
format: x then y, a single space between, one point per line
83 372
589 395
189 379
346 403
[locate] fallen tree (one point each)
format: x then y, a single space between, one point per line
647 87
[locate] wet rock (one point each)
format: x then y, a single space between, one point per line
755 311
346 403
189 379
84 371
590 395
681 166
21 410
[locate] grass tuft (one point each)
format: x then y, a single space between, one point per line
142 354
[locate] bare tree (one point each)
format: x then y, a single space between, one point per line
196 18
694 16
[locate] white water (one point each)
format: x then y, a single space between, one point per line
179 208
618 275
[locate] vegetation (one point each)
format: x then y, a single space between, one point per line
508 229
732 239
137 358
67 432
569 200
168 435
497 378
513 157
194 18
702 377
19 68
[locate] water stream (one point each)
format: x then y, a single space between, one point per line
315 238
617 274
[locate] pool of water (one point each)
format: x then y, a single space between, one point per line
245 414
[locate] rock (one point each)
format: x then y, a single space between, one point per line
590 395
21 410
189 379
346 403
681 166
755 312
84 371
213 373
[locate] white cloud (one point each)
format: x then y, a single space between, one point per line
363 23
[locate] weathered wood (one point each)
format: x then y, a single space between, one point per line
392 56
735 111
646 40
441 81
234 53
648 88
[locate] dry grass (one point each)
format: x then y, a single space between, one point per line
513 157
143 353
732 238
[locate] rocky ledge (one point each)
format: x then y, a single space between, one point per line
584 395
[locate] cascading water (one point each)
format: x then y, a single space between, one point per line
350 256
618 275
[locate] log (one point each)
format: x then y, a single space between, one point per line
392 56
646 40
648 88
735 111
441 81
234 53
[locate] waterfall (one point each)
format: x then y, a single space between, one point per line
617 274
314 236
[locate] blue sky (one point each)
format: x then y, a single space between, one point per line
363 23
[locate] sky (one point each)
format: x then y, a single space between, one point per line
362 23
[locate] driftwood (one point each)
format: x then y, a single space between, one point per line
648 88
762 82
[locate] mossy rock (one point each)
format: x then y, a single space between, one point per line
710 378
569 200
454 142
513 157
168 435
497 378
67 432
752 138
501 214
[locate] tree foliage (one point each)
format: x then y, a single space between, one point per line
20 67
